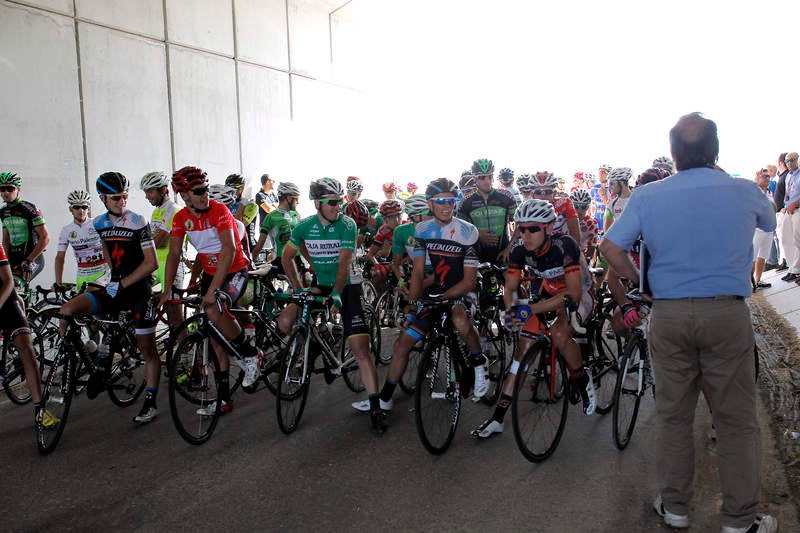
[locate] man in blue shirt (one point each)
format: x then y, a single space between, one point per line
793 216
700 329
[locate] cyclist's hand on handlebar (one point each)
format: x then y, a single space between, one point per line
162 298
209 298
630 315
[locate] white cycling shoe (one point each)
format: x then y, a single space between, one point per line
487 429
363 405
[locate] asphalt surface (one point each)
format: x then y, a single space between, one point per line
333 473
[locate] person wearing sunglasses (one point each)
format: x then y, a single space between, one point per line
130 253
85 242
490 210
25 235
451 245
244 208
279 223
330 239
403 239
558 262
380 251
589 230
543 187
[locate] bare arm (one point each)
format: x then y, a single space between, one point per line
41 244
6 284
287 260
464 286
619 260
59 264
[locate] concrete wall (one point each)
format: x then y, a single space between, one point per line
247 86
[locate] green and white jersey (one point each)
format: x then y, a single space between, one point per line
324 242
278 225
403 239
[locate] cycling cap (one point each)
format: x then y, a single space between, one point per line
222 193
358 211
535 211
439 186
10 178
391 207
417 205
77 197
482 166
112 183
325 187
153 180
188 178
286 188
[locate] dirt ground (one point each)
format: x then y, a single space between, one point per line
779 376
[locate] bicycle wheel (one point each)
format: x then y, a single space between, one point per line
605 367
408 381
628 391
193 389
56 400
368 292
375 336
14 384
539 403
272 346
46 337
437 401
500 352
294 379
128 374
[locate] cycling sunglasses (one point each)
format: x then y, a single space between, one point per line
8 188
200 191
444 201
117 197
82 207
333 202
530 229
543 192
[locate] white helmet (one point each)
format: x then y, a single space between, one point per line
77 197
524 183
286 188
222 193
620 174
663 161
543 179
354 185
416 205
153 180
535 211
580 197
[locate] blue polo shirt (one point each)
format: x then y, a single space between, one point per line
698 226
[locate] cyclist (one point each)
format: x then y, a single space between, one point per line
557 260
227 196
354 189
381 247
664 163
581 200
525 187
330 239
85 242
24 233
467 186
490 210
390 190
451 245
566 223
403 238
366 233
280 222
15 329
506 179
411 190
243 209
129 250
213 232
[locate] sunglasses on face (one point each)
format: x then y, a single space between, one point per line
8 188
530 229
117 197
333 202
543 192
581 206
792 160
295 198
444 201
200 191
81 207
484 177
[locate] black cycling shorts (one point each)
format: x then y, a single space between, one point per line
233 286
13 320
353 320
134 299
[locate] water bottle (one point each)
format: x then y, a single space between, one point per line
523 310
325 333
90 347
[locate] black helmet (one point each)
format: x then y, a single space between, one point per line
506 176
235 180
112 183
440 185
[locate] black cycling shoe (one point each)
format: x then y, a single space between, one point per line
377 420
95 386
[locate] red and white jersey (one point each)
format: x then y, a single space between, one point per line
564 211
203 232
589 232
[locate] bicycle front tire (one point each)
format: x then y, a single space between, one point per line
628 392
294 379
128 375
437 400
605 367
57 393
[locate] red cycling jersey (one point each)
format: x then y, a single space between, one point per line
564 211
203 232
383 235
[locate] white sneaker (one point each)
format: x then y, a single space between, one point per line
481 382
363 405
251 370
674 520
146 415
211 409
487 429
763 523
591 396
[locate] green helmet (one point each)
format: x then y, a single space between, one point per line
10 178
481 167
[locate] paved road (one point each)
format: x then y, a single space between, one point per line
332 473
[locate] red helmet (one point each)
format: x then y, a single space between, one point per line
188 178
391 207
358 212
389 186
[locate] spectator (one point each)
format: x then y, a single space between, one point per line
599 194
792 220
266 199
762 240
772 260
787 252
700 328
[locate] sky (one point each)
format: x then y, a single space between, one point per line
567 86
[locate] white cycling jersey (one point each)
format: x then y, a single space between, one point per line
87 246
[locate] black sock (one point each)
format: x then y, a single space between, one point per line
150 396
388 390
374 402
501 408
223 385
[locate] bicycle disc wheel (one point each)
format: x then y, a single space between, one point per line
628 392
57 394
605 367
539 404
193 389
294 378
437 401
128 374
14 384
